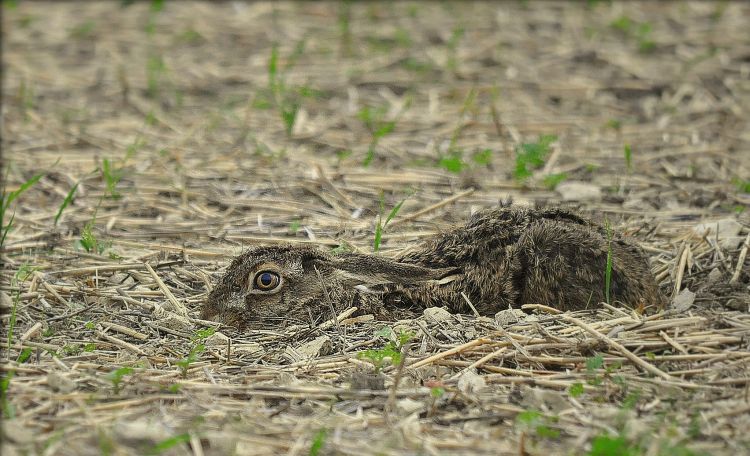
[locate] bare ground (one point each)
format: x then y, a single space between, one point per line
209 147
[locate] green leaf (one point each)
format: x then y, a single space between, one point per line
531 156
551 181
393 212
604 445
576 389
169 443
273 65
16 193
318 442
453 163
594 363
370 155
437 392
482 158
378 235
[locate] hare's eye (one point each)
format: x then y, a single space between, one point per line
266 280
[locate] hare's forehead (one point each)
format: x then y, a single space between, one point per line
276 263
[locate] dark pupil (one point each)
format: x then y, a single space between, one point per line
266 279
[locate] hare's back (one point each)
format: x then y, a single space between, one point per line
566 267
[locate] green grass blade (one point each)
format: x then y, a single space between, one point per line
393 212
378 235
25 186
68 199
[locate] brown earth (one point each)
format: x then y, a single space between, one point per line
194 129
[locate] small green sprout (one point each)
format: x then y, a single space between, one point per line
155 70
482 157
391 352
576 389
453 162
380 226
83 31
437 392
551 181
7 200
628 153
319 441
169 443
538 423
375 121
531 156
111 177
117 375
743 185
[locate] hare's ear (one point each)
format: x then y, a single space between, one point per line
357 269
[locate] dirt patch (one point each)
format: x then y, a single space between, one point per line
189 130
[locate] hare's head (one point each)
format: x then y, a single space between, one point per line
281 282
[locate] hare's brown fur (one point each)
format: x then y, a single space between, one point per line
501 258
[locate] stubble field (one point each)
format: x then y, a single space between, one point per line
146 144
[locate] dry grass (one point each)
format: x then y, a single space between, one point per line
105 356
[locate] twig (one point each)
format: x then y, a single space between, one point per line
452 351
177 306
428 209
627 353
741 260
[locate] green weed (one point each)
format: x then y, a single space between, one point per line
111 176
344 21
319 441
743 185
551 181
391 352
66 202
83 31
374 119
88 240
531 156
155 69
482 157
640 31
7 200
537 423
117 376
628 153
169 443
453 162
156 7
197 348
606 445
286 99
576 389
615 124
380 226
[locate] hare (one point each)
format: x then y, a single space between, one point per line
502 258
